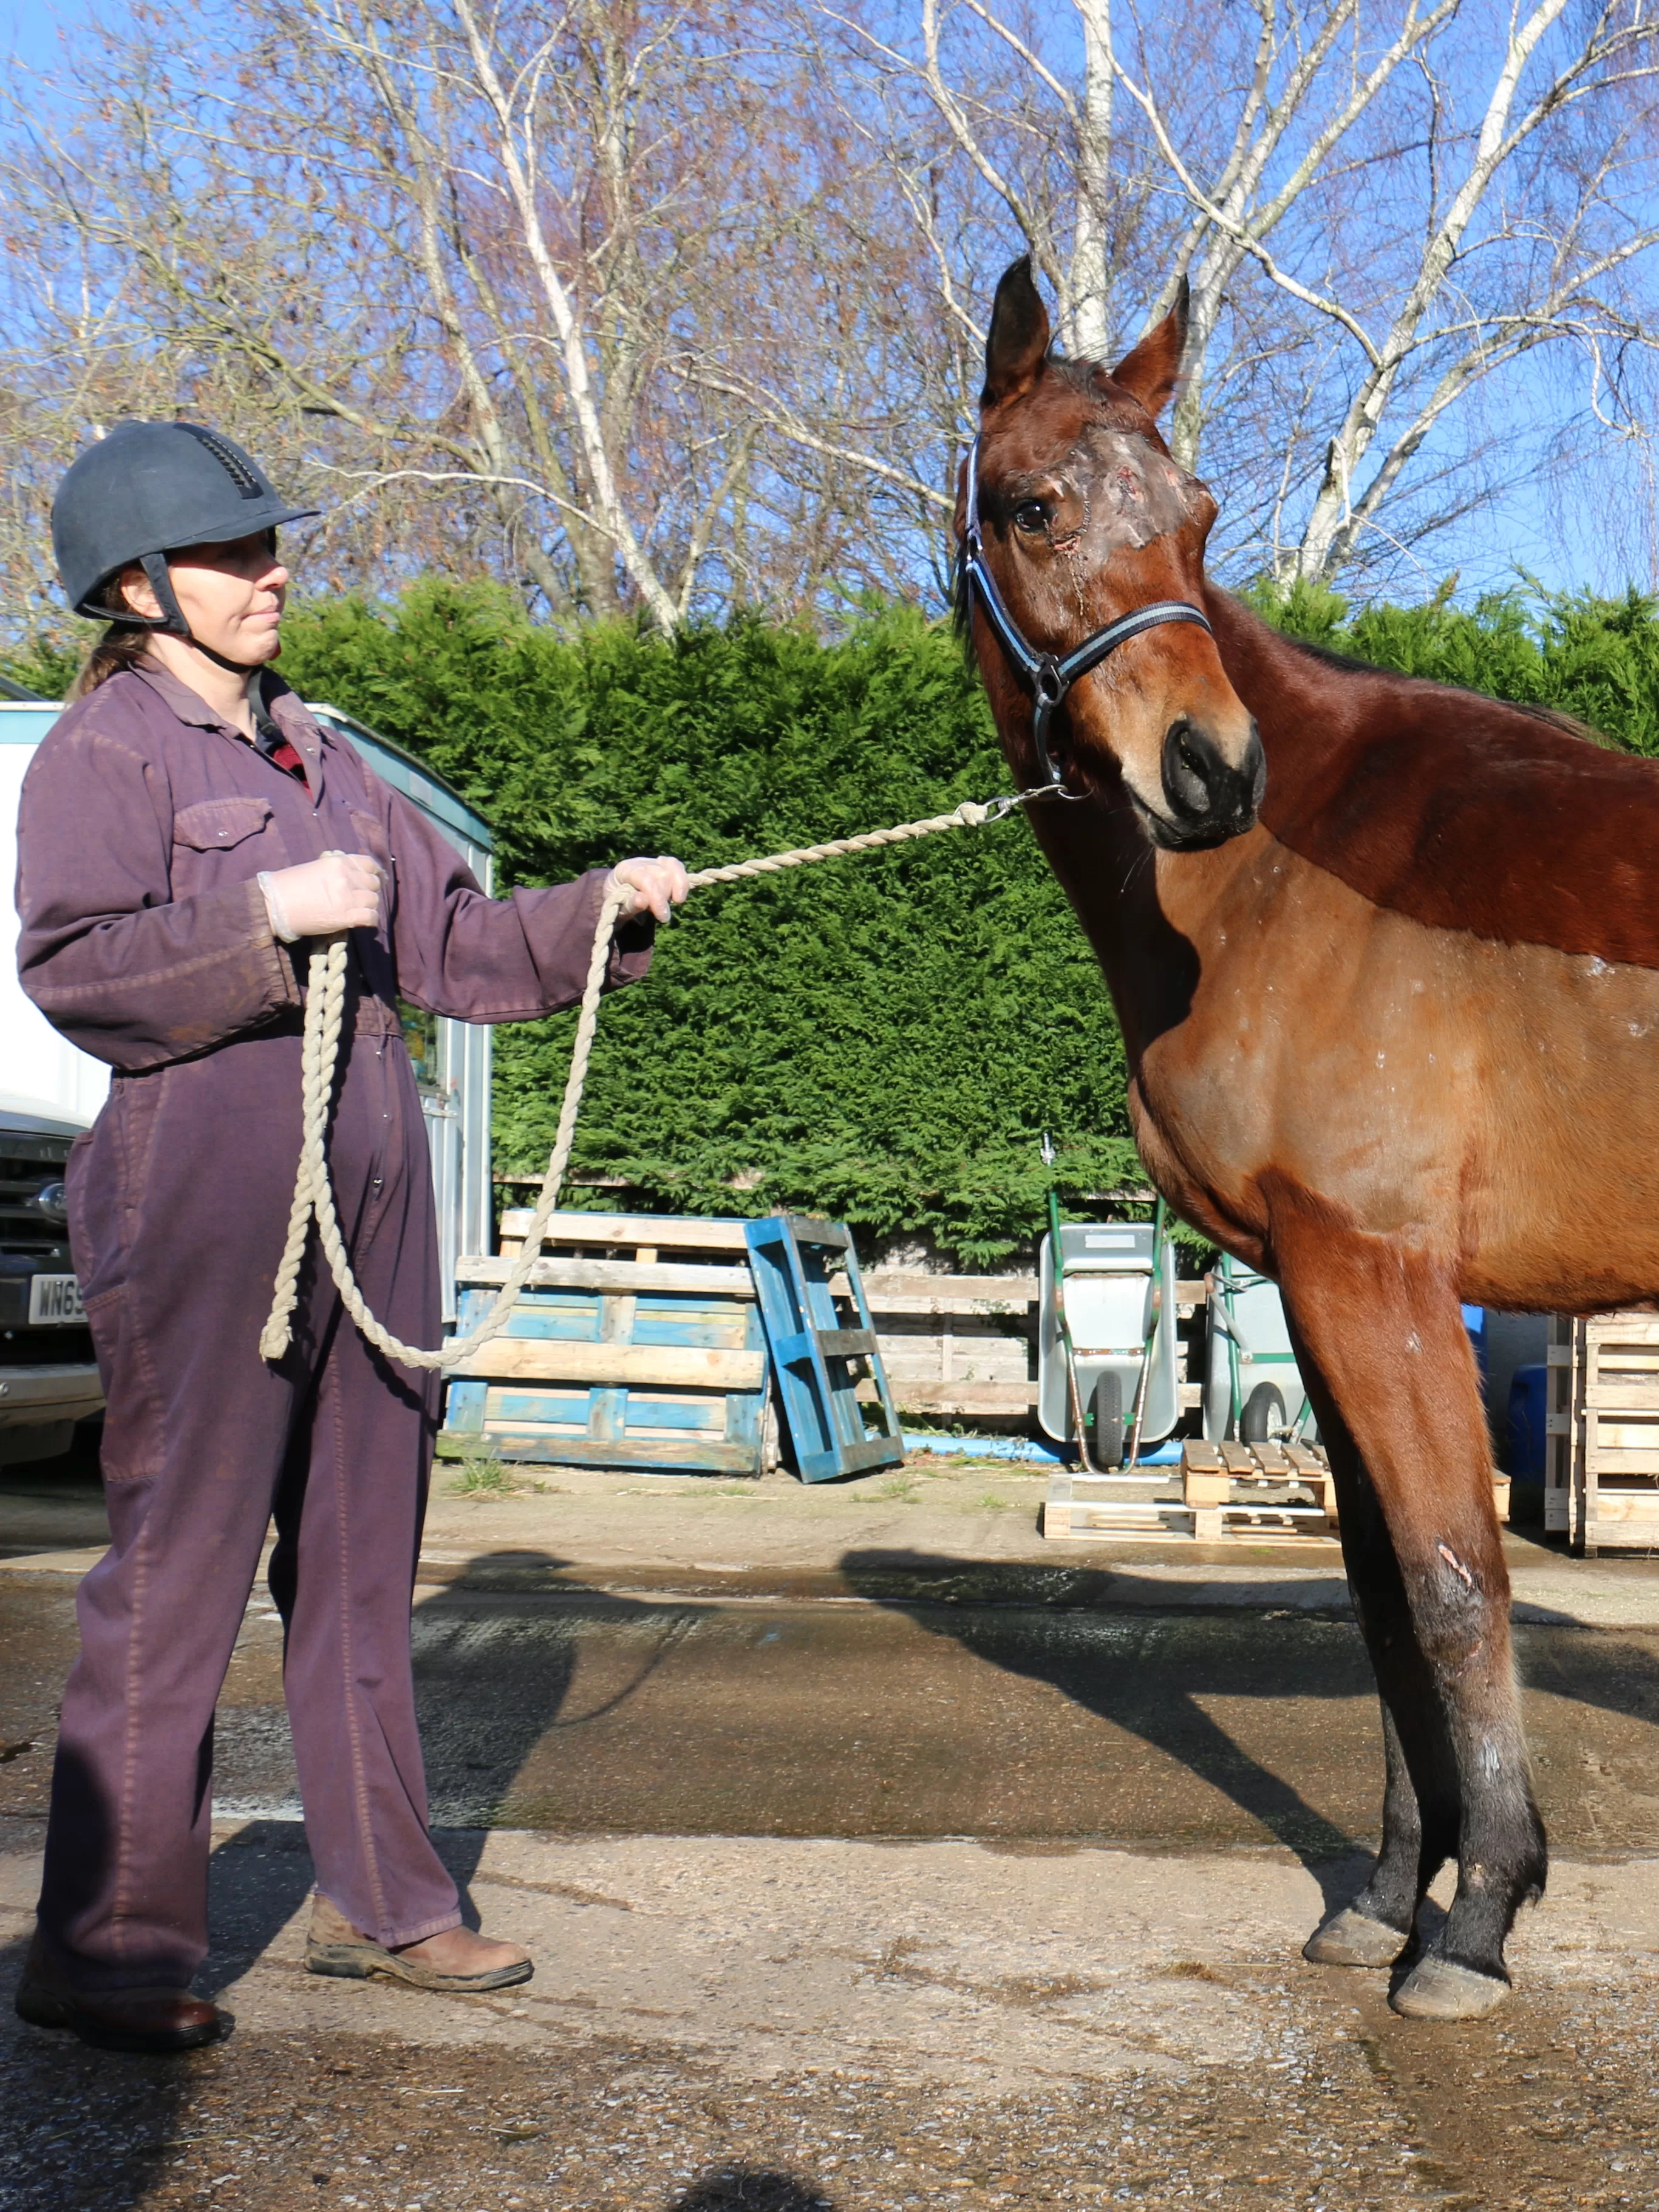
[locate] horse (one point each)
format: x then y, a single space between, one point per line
1385 955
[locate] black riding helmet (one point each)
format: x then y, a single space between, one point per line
148 489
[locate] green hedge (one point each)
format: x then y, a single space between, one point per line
882 1039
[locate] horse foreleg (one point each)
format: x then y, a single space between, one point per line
1384 1329
1374 1928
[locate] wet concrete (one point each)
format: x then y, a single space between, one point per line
936 1531
1190 1730
896 1895
783 2026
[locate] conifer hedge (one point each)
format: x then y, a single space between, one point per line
883 1039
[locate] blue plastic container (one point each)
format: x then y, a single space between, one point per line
1528 1405
1474 1319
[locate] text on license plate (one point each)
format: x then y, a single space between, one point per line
54 1299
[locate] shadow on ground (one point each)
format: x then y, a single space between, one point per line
1154 1696
502 1717
750 2189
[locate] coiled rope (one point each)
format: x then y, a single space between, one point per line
313 1194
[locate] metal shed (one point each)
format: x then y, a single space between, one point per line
452 1059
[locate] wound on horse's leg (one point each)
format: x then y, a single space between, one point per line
1384 1331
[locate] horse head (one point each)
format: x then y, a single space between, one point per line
1074 521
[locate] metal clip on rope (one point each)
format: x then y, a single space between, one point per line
313 1194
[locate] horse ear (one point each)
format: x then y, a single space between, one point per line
1149 371
1018 343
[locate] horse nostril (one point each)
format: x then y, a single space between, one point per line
1191 765
1208 799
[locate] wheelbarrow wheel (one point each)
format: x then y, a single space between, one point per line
1263 1415
1108 1410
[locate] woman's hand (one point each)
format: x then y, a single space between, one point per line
653 884
340 891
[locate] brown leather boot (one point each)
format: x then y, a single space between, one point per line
113 2019
457 1961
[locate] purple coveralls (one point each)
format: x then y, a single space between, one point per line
144 822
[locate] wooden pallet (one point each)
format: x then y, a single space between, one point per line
966 1346
953 1346
615 1356
1253 1492
1220 1492
1602 1447
818 1360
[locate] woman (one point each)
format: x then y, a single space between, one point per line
185 823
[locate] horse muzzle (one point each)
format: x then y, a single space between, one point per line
1207 799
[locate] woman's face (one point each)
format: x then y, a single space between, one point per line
230 595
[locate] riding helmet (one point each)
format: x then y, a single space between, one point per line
148 489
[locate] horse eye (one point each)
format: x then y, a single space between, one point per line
1032 517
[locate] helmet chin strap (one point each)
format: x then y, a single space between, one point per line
172 617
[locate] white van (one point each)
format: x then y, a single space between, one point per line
49 1092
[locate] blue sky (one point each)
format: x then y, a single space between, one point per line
29 28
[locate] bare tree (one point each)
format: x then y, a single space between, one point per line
453 261
1376 209
667 306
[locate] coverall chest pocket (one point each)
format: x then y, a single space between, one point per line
222 826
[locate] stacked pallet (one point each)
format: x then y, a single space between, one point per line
1602 1454
636 1343
1254 1492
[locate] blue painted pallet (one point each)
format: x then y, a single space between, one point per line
615 1357
815 1357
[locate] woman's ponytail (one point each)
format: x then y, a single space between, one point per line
121 646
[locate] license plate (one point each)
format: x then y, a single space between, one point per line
54 1299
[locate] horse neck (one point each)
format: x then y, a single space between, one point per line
1118 889
1152 918
1300 711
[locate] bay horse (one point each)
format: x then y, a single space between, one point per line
1386 958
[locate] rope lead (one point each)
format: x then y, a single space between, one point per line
313 1192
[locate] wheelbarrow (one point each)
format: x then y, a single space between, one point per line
1252 1386
1106 1337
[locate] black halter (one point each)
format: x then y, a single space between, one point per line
1049 676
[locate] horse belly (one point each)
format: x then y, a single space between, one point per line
1563 1211
1496 1105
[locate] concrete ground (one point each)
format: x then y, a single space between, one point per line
874 1853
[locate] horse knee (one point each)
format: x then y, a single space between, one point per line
1458 1618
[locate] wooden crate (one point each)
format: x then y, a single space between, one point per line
615 1356
1602 1454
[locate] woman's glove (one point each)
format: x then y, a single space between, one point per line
652 885
340 891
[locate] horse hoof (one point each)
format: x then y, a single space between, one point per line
1353 1939
1437 1988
